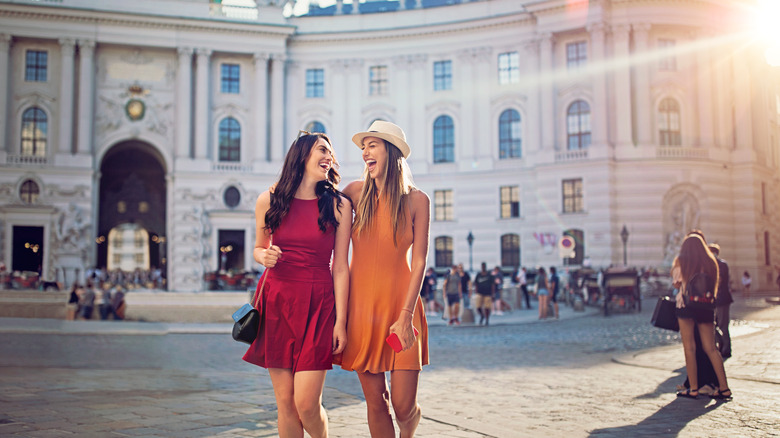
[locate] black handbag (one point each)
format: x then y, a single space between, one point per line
246 319
664 315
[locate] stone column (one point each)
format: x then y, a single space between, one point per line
532 137
86 96
546 92
643 106
202 94
743 106
66 96
422 147
260 107
338 84
5 46
483 129
277 107
339 7
622 86
705 92
464 77
184 103
402 80
600 105
354 86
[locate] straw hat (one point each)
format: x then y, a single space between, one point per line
386 131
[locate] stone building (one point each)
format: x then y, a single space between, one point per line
139 134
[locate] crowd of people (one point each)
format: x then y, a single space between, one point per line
84 298
136 279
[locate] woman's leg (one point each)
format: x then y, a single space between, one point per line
380 423
403 387
689 348
707 333
288 422
308 402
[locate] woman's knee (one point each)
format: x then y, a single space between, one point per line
308 407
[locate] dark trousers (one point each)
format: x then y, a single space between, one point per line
705 373
722 322
524 288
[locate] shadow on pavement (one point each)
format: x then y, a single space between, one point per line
670 420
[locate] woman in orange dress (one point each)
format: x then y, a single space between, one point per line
391 215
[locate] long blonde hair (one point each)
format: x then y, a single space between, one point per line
398 184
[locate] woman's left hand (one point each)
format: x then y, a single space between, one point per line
405 330
339 338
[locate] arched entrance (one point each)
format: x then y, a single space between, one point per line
131 225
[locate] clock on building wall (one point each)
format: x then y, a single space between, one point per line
135 109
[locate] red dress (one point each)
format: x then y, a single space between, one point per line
297 305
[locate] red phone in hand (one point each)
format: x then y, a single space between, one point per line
395 343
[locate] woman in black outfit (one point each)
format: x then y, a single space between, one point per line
696 258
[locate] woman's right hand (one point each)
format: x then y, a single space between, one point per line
268 257
679 300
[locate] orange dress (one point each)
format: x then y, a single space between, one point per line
378 282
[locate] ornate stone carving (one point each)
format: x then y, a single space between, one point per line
71 232
683 215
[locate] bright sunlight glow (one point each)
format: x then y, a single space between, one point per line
767 22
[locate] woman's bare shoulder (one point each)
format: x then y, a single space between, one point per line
418 197
264 200
353 189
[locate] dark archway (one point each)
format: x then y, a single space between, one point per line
133 190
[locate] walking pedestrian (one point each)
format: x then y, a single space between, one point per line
723 302
103 301
118 304
555 283
498 278
746 281
430 281
485 285
301 225
451 289
694 259
542 292
465 286
391 216
522 279
87 301
73 301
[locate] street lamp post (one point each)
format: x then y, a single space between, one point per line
624 238
470 240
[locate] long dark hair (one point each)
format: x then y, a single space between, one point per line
695 257
291 177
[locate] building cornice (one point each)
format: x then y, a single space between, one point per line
136 21
423 30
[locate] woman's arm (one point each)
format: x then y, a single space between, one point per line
264 253
341 273
353 191
420 207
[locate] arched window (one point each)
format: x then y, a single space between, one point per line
509 135
316 126
669 123
578 125
443 140
29 191
35 127
443 245
579 247
510 250
229 140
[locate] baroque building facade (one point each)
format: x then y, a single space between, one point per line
139 135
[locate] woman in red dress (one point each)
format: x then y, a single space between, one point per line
304 302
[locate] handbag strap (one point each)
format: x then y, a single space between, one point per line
265 277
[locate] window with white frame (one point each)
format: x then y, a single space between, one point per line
230 78
578 125
510 201
229 140
572 195
442 75
509 135
508 68
669 123
442 205
443 250
377 80
443 140
576 54
315 82
36 66
35 127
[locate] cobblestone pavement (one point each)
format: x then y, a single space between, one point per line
583 375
